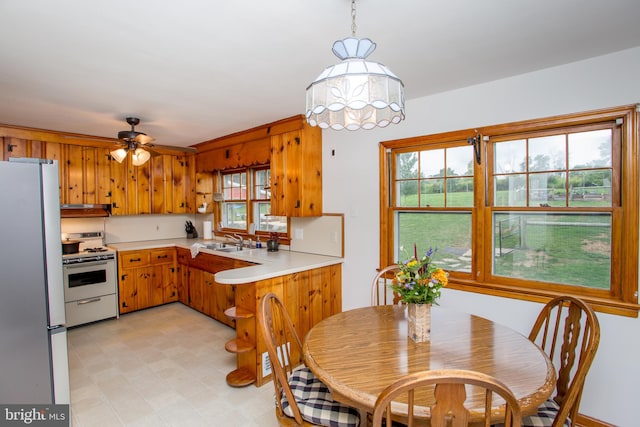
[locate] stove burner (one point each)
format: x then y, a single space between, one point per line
96 249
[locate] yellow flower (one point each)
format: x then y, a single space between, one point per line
441 276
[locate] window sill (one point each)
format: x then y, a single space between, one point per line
601 305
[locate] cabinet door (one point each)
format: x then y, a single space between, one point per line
296 173
138 191
182 182
196 289
54 151
74 174
208 294
127 291
144 291
164 275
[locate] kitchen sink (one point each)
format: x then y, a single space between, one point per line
222 247
227 249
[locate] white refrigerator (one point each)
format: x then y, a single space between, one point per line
34 366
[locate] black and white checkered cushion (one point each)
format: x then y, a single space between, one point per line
315 402
545 416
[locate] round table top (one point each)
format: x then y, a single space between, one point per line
357 353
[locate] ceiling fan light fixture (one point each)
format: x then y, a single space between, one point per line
140 157
119 155
355 93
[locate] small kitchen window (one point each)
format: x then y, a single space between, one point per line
247 202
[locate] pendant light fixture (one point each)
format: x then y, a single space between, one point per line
355 93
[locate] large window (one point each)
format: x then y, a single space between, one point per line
246 207
551 207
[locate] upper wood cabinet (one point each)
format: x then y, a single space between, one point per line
291 147
296 173
89 175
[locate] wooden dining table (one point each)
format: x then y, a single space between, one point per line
357 353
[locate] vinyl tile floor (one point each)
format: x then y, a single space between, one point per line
164 366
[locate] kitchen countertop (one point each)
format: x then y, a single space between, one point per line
268 264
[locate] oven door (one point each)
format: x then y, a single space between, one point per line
89 279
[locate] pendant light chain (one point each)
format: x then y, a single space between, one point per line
353 18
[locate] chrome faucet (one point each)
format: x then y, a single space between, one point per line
236 239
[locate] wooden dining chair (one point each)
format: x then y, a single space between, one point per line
567 329
447 392
380 292
301 398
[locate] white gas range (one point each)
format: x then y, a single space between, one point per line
90 280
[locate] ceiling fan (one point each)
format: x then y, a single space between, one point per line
139 144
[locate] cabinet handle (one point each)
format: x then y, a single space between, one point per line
163 256
135 259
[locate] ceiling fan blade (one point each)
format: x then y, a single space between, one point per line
143 139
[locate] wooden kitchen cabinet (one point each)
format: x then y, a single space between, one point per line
134 281
163 185
182 274
164 276
296 172
205 294
291 147
309 297
146 278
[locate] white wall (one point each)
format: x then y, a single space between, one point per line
351 184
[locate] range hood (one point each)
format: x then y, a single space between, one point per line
85 211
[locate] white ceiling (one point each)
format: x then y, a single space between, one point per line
193 70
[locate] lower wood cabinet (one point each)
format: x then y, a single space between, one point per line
146 278
309 297
197 287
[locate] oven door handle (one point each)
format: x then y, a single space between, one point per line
87 301
86 264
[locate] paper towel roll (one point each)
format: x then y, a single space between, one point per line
207 230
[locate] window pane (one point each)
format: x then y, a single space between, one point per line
450 233
234 186
432 192
547 153
510 156
431 163
460 161
234 215
572 249
266 222
460 192
547 189
407 193
590 149
407 165
276 224
261 184
510 190
590 188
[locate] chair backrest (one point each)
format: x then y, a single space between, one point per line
567 330
380 293
284 348
444 392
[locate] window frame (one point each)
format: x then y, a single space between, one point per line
250 202
621 299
